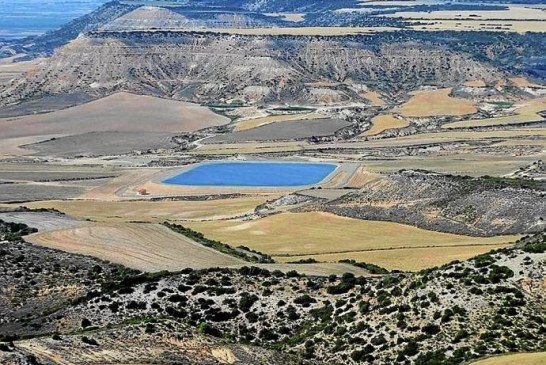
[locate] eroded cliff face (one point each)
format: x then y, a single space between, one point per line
215 67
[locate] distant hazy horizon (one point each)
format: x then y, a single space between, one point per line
21 18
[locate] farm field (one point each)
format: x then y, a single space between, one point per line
102 143
517 26
44 172
512 13
115 113
283 131
42 221
257 122
146 247
154 211
428 103
384 122
316 233
472 164
525 112
37 191
411 259
538 358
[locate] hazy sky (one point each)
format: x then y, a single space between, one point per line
19 18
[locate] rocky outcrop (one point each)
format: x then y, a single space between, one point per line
215 67
475 206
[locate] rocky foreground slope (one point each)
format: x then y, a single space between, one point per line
491 304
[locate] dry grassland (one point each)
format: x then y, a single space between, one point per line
296 234
146 247
373 97
383 122
525 112
523 82
517 26
515 359
412 259
120 112
512 13
9 71
429 103
153 211
472 164
362 177
10 147
257 122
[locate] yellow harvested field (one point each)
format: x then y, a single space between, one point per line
153 211
146 247
516 26
383 122
373 97
411 259
472 164
512 13
525 112
122 112
448 136
257 122
429 103
299 234
537 358
523 82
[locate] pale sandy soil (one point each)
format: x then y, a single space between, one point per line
10 147
512 13
257 122
362 177
154 211
120 112
520 26
515 359
146 247
526 111
523 82
384 122
373 97
427 103
10 71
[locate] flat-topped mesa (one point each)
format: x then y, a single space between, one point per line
212 67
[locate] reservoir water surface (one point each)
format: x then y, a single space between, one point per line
257 174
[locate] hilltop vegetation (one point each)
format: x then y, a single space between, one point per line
448 315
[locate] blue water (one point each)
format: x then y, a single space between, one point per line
20 18
262 174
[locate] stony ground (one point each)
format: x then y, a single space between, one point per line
491 304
